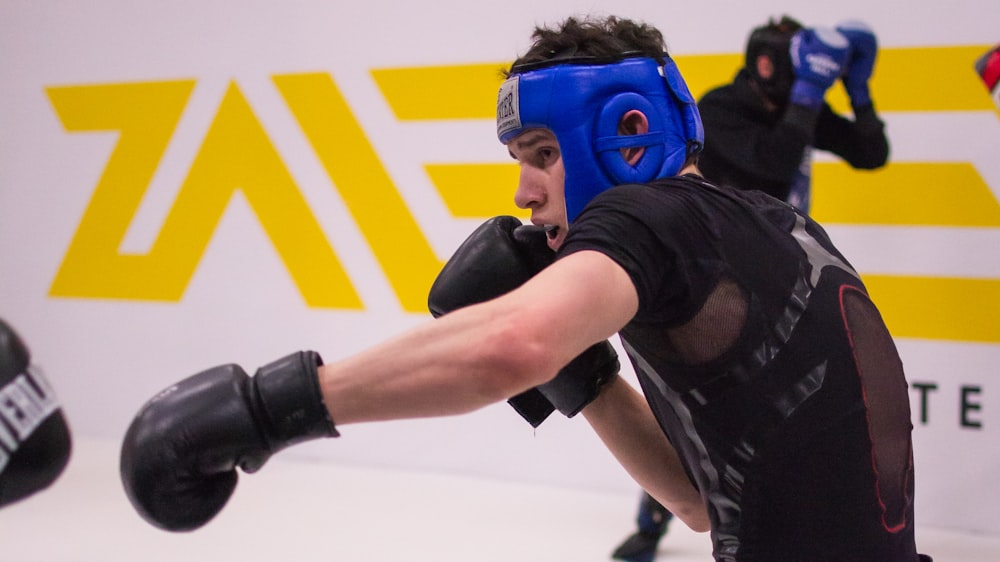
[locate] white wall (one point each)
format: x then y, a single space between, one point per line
107 352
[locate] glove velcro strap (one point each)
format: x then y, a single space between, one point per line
580 381
288 393
533 406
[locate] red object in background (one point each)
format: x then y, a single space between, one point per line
988 67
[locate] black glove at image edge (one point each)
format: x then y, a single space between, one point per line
35 440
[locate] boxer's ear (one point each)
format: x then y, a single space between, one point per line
634 122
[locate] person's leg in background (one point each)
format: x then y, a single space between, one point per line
652 521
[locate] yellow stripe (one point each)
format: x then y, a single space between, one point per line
905 78
904 193
940 308
908 193
441 92
704 72
940 78
928 79
354 167
476 190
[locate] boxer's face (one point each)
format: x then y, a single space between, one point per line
541 182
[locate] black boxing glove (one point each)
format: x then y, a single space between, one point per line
580 381
179 455
498 257
35 441
495 259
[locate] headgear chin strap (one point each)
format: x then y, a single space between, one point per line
582 103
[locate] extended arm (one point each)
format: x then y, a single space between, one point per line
487 352
180 454
456 365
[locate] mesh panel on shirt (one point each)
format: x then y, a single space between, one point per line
715 327
887 404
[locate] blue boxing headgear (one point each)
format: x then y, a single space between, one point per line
582 102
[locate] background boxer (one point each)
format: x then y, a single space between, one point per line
762 128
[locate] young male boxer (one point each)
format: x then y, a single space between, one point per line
774 400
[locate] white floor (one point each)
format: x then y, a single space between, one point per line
294 510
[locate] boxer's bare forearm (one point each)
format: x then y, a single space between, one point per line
622 419
457 364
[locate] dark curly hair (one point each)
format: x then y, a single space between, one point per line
605 39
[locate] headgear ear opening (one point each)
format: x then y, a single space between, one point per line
608 143
666 151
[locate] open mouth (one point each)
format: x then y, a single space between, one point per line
551 231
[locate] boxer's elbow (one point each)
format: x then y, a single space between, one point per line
513 362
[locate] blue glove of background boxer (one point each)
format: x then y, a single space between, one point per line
861 61
818 58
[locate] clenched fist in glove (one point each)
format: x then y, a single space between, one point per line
860 62
818 58
495 259
180 454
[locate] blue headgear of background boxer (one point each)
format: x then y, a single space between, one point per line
582 101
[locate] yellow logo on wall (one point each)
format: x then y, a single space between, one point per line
236 154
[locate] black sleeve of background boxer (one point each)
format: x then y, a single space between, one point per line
34 438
